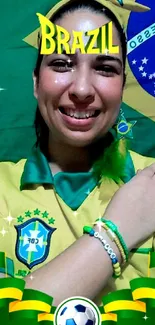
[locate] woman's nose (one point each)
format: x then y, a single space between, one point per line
81 89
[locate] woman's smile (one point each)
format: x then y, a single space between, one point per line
83 119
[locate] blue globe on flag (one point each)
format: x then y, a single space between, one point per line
141 46
122 127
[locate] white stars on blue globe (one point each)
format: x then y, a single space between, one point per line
141 56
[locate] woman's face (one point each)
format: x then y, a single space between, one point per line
79 96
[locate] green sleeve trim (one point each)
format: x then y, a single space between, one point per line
141 250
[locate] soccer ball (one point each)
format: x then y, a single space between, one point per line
77 315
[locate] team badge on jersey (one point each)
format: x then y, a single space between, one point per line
33 242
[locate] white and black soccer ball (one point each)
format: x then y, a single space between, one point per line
77 315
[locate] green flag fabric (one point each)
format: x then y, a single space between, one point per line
18 20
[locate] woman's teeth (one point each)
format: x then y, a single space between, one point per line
78 114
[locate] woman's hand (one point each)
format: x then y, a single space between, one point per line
132 208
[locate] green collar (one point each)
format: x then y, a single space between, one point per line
73 188
36 170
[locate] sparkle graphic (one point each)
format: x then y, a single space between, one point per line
99 224
87 192
31 277
1 89
3 232
9 218
106 51
69 61
145 317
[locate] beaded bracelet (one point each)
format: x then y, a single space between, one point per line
115 239
108 249
114 228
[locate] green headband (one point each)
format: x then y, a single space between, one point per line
119 8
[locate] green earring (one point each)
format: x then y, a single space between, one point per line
124 128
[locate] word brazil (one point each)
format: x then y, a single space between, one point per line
55 38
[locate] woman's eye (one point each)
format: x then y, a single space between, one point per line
106 70
61 65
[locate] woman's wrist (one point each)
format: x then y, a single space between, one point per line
125 232
112 244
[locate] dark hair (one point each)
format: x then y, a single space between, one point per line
42 131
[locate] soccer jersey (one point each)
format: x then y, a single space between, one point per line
41 215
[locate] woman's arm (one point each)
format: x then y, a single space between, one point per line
84 268
81 270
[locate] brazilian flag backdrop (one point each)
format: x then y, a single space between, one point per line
18 20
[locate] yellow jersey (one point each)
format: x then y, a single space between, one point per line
41 215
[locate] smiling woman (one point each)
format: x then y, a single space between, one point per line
98 81
75 168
